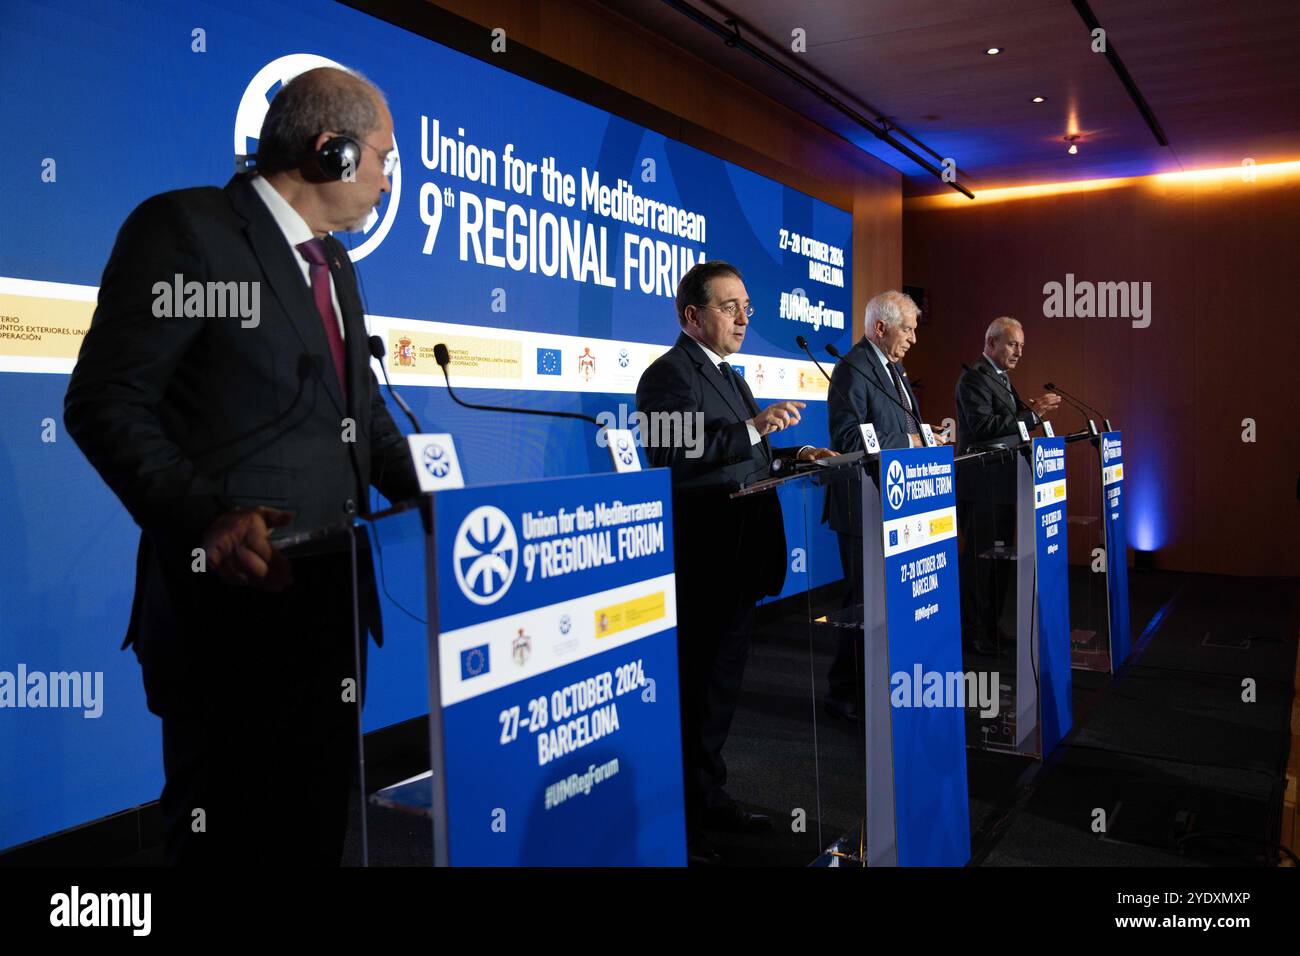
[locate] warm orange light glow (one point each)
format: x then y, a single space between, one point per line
1260 173
1241 173
1012 193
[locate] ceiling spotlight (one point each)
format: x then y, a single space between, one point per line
1037 99
1072 139
1073 149
993 50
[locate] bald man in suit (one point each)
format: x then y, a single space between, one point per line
988 410
213 431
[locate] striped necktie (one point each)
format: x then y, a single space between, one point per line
912 427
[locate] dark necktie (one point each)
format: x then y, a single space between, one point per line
313 250
912 427
729 374
1006 381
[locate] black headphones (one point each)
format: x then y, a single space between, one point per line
335 157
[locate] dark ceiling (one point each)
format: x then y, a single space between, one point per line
1222 78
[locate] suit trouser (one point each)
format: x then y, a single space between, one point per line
259 767
845 675
713 639
984 580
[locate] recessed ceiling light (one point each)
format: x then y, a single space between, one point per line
1037 99
993 50
1073 149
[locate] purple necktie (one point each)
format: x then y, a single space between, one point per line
313 250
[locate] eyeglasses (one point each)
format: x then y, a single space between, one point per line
387 157
732 309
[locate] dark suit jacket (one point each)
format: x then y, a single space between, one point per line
740 542
865 404
186 418
987 412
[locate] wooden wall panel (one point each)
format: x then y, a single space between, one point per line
1221 255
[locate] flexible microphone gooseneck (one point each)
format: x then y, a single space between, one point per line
1079 402
800 341
1072 403
378 351
443 358
835 353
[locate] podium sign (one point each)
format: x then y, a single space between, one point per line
553 674
1052 592
916 692
1112 488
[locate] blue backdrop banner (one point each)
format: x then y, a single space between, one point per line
537 236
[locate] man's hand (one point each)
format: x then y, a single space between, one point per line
914 441
238 546
812 454
940 437
1045 404
778 416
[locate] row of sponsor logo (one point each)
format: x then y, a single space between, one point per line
476 661
505 358
42 325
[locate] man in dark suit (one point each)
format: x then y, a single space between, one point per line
869 385
729 552
988 409
213 430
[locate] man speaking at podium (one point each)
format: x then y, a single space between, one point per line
729 552
213 430
988 408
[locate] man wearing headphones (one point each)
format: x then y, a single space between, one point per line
214 431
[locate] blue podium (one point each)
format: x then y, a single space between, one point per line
918 808
553 704
1110 447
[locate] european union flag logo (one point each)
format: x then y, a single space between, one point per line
474 662
548 361
893 538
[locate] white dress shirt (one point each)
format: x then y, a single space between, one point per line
885 362
295 231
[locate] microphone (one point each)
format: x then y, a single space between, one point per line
443 358
1077 402
377 350
800 341
835 353
1073 404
